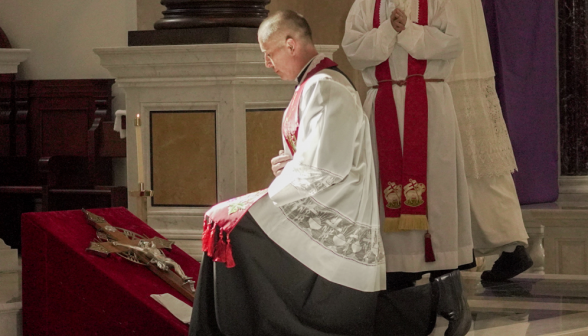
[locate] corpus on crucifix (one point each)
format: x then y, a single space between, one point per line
141 250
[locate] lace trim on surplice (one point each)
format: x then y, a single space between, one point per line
486 143
311 180
348 239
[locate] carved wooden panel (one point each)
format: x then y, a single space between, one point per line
64 132
62 111
6 113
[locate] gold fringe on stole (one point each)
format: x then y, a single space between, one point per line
413 222
391 224
406 223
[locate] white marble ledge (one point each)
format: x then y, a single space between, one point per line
196 53
202 71
573 184
573 192
6 308
228 81
11 58
176 235
177 211
174 223
556 216
204 60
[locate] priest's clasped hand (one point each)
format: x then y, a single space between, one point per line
398 20
279 162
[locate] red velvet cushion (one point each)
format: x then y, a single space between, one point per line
67 291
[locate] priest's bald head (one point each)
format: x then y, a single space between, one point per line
285 39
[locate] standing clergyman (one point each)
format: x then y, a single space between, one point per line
497 221
405 50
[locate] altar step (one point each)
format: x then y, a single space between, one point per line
11 302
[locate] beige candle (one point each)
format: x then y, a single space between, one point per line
139 140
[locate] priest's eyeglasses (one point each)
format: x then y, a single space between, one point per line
268 55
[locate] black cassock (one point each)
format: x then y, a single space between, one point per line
269 292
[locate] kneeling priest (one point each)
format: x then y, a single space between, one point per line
305 256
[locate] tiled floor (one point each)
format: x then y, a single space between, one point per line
529 305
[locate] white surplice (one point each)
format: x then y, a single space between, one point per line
323 207
439 43
486 144
497 221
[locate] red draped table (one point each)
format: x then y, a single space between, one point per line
67 291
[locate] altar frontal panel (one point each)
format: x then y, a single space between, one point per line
183 158
264 141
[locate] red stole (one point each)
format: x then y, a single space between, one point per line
403 172
222 218
290 124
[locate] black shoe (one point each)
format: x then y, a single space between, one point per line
453 305
509 265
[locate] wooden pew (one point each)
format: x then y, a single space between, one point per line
57 144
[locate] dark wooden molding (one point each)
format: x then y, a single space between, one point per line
181 14
192 36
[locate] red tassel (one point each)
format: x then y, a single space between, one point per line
229 254
220 249
205 236
429 254
210 241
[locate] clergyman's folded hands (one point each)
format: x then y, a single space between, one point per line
279 162
398 20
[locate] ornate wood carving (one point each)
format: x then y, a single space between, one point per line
212 13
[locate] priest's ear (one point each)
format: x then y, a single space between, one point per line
291 45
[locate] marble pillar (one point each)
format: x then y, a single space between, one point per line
573 82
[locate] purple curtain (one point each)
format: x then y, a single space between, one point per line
523 41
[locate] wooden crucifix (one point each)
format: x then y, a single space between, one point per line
141 250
